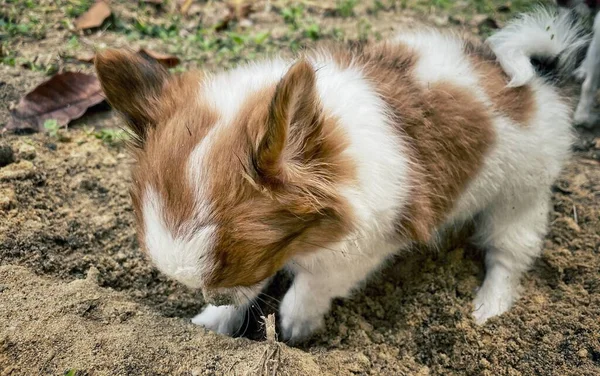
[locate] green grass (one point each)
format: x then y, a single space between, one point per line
76 8
12 27
293 14
112 137
198 43
345 8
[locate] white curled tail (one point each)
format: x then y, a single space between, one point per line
544 35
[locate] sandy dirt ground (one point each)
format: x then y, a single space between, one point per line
77 297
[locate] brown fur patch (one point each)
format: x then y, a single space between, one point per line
271 173
517 103
162 163
446 128
133 85
261 225
167 120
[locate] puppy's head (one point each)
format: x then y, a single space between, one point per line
228 186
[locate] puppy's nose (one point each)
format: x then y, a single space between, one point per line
216 298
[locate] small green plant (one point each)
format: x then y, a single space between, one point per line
51 126
32 28
71 372
378 6
345 8
73 43
260 38
364 30
112 137
54 130
293 14
152 30
76 8
8 57
337 34
312 31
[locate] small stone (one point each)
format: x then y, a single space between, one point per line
109 161
26 151
571 224
245 23
8 198
92 274
484 363
20 170
7 156
583 353
363 360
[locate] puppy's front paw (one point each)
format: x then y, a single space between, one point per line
221 319
492 301
297 329
298 319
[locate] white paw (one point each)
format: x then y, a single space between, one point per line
298 319
492 301
585 118
221 319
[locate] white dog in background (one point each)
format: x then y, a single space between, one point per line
589 71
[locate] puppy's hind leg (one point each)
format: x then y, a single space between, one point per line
511 233
584 115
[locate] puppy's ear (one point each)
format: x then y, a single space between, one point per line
293 125
133 84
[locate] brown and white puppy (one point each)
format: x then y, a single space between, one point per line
331 163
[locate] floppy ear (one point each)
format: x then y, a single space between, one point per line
133 84
293 125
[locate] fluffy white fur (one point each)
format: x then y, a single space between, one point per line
540 33
509 197
376 199
178 257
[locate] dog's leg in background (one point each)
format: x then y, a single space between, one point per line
511 234
590 69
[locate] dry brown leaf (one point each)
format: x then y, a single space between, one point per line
63 98
236 11
94 17
168 61
184 6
